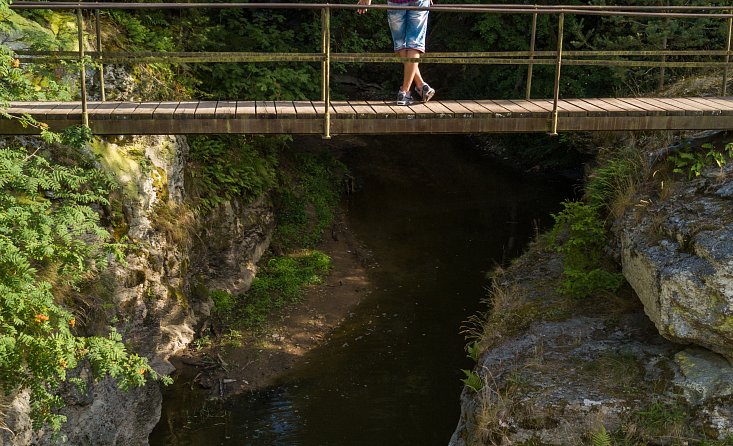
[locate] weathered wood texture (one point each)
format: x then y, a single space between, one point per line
379 117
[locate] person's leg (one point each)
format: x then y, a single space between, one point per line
411 70
415 32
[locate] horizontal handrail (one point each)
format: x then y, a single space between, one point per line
631 11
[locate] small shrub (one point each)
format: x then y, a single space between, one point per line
584 237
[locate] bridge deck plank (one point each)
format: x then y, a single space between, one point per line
246 109
532 107
458 109
726 106
206 110
624 108
566 108
705 108
362 109
344 110
304 109
226 110
285 109
513 108
165 110
688 110
421 110
649 109
144 110
669 109
477 110
717 109
266 109
495 109
382 110
186 110
589 108
439 110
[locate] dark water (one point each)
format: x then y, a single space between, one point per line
437 216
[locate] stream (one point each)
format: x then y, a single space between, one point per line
437 216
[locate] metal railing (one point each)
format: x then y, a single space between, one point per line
531 57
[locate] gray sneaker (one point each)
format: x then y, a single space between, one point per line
404 98
425 93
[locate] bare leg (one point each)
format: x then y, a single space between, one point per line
411 70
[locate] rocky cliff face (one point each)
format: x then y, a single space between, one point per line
149 299
560 371
678 256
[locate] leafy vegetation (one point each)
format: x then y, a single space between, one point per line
692 162
51 241
280 282
50 237
225 167
582 248
306 200
472 380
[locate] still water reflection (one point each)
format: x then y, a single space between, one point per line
437 215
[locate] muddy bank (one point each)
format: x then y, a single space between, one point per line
265 354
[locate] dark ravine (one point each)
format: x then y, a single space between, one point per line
434 213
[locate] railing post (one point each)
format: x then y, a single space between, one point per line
82 73
724 90
530 67
326 71
99 51
558 64
665 38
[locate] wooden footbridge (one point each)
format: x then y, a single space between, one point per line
327 117
380 117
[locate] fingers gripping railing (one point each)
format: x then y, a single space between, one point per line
558 57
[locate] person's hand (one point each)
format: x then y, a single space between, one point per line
363 2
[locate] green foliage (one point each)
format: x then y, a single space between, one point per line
281 282
601 438
472 380
306 200
692 163
48 228
223 301
473 350
226 167
582 247
611 178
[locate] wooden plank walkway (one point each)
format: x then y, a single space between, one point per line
380 117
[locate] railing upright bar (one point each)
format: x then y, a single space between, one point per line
326 76
82 71
558 65
665 38
530 66
724 89
99 50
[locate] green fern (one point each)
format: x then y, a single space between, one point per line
49 229
472 380
601 438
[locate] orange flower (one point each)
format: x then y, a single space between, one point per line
141 371
62 363
72 323
40 318
16 63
